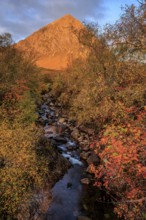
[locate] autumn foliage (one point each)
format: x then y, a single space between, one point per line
108 94
20 169
122 171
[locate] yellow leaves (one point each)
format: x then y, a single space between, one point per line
20 164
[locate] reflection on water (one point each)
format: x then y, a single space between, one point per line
67 195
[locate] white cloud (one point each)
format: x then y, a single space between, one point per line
22 17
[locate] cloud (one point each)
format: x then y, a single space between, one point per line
22 17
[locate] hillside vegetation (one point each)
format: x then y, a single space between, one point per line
108 93
27 162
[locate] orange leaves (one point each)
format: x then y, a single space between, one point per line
122 171
133 193
13 97
104 140
16 91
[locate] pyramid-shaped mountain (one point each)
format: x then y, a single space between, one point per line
56 44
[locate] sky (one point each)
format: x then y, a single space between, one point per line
23 17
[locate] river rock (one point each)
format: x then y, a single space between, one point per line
85 181
93 158
85 148
52 113
62 148
41 112
41 121
84 155
72 122
46 96
70 148
84 142
88 169
44 107
44 117
81 139
60 139
75 133
47 111
70 144
49 129
58 104
57 114
51 104
61 120
88 131
63 127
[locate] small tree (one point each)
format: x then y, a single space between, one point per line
128 34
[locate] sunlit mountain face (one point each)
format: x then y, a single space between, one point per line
56 45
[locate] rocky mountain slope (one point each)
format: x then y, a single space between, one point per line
56 44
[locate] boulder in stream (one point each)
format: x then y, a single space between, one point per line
61 120
93 158
85 155
75 133
85 181
60 139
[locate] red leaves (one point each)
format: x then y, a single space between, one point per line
103 140
122 170
15 93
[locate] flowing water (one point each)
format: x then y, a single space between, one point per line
67 192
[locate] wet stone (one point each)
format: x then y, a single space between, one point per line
70 148
93 158
85 181
51 104
85 148
75 133
84 155
49 135
61 120
43 107
60 139
41 121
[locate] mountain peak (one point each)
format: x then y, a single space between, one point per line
56 44
67 19
68 16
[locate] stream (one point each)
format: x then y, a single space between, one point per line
67 192
70 191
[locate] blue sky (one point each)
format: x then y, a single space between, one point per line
22 17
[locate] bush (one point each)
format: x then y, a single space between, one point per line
19 168
122 171
20 171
